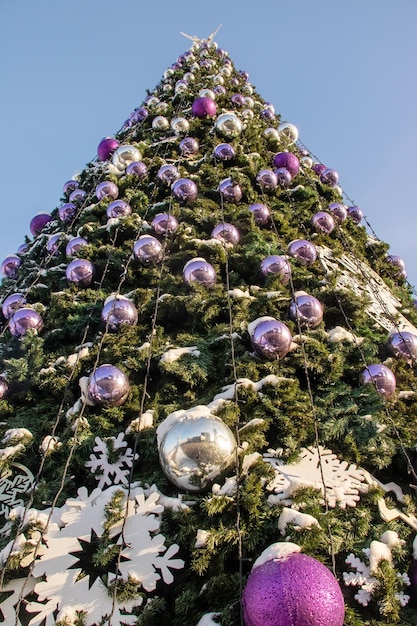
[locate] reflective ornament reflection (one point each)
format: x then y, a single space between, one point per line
207 93
107 189
303 251
164 224
138 169
398 265
12 303
238 100
39 222
118 208
276 264
159 123
67 212
78 196
106 147
184 190
53 243
124 155
188 146
228 125
108 386
306 310
288 132
219 90
329 177
227 233
288 160
267 181
271 135
70 185
119 311
10 266
180 125
323 222
355 214
199 271
339 211
167 174
23 320
230 191
23 249
75 245
80 272
148 250
224 152
270 338
403 345
261 213
284 177
203 107
381 377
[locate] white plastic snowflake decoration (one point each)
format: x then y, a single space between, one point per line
14 590
111 472
72 582
319 468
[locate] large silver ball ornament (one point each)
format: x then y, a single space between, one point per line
188 146
271 135
159 123
270 338
167 174
80 272
184 190
180 125
124 155
67 212
148 250
288 132
226 233
138 169
381 377
339 211
195 448
53 243
403 345
119 311
23 320
276 264
78 196
306 310
228 125
199 271
261 213
107 386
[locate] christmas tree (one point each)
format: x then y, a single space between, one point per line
207 393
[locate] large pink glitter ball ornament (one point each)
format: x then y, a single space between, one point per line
12 303
119 311
270 338
306 310
288 160
199 271
107 386
230 191
403 345
288 132
278 265
75 245
284 178
70 185
184 190
138 169
293 590
39 222
224 152
203 107
329 177
338 210
188 146
167 174
261 213
164 224
398 265
227 233
118 208
67 212
23 320
381 377
80 272
4 387
148 250
53 244
267 181
107 189
106 147
78 196
228 125
355 214
303 251
323 222
10 266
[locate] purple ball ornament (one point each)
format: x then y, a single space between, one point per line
53 244
78 195
397 263
238 100
293 590
220 90
23 248
106 147
227 233
108 386
323 222
267 115
118 208
199 271
119 311
306 310
67 212
184 190
318 168
12 303
355 214
224 152
23 320
329 177
403 345
75 245
70 185
10 266
188 146
267 181
270 338
284 177
230 191
339 211
138 169
4 387
303 251
167 174
276 264
381 377
39 222
203 107
261 213
148 250
164 224
107 189
80 272
288 160
136 117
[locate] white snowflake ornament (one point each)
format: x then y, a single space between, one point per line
111 472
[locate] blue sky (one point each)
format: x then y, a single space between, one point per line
344 72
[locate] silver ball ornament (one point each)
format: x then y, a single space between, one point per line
75 245
160 123
78 196
167 174
303 251
338 210
306 310
189 146
381 377
199 271
137 169
118 208
278 265
230 191
226 233
288 132
184 190
12 303
271 135
403 345
283 176
10 266
107 189
355 214
53 243
148 250
270 338
323 222
398 265
228 125
67 212
108 386
261 213
124 155
329 177
4 387
267 180
119 311
24 320
80 272
180 125
164 224
224 152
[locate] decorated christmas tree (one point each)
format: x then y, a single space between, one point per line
208 399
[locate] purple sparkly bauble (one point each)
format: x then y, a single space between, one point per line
270 338
339 211
107 189
78 195
284 177
306 310
261 213
267 180
70 185
403 345
74 245
329 177
293 591
168 174
318 168
323 222
107 386
184 190
119 312
227 233
12 303
355 214
199 271
138 169
238 100
39 222
188 146
118 208
80 272
23 248
288 160
224 152
4 387
398 264
164 224
23 320
106 147
10 266
203 107
230 191
381 377
67 212
303 251
53 244
276 264
148 250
